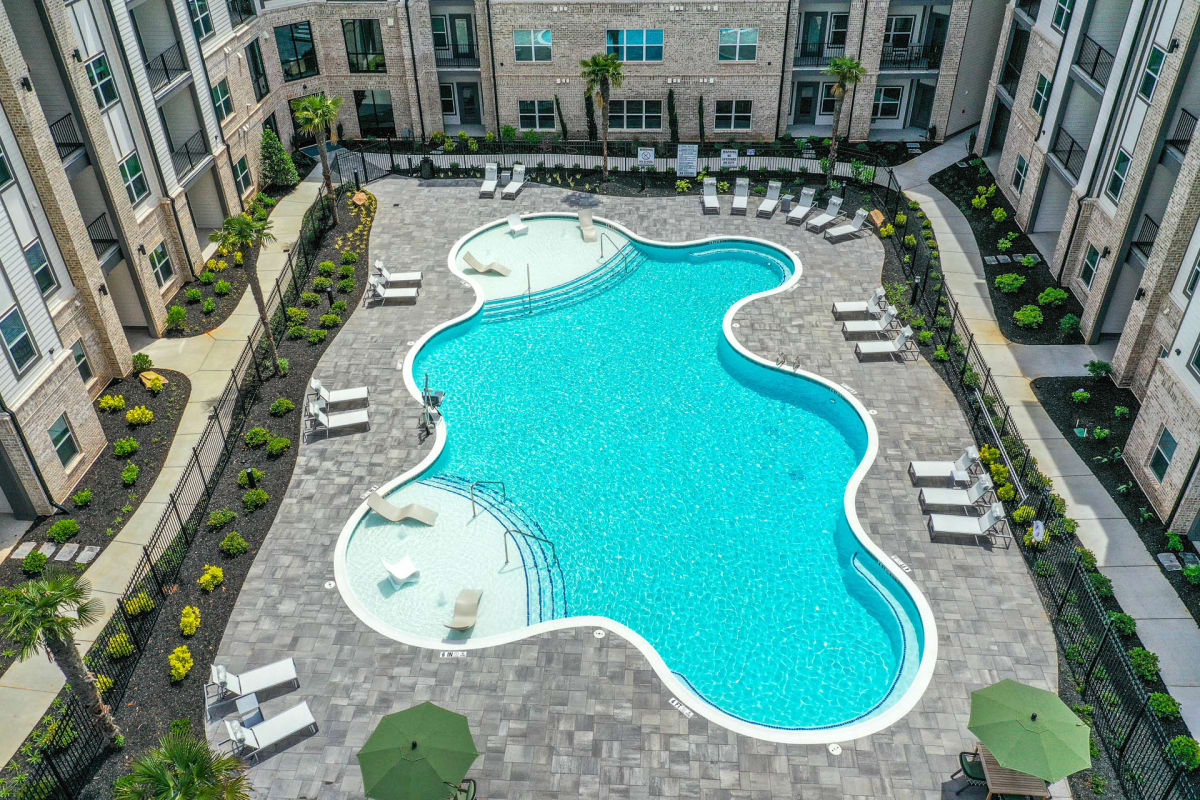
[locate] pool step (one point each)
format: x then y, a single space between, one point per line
618 267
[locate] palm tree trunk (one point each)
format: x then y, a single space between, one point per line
328 176
838 102
66 656
256 291
604 130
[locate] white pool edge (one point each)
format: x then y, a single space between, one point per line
873 723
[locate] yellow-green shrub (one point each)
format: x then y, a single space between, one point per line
112 402
139 415
212 578
120 646
181 662
189 620
140 603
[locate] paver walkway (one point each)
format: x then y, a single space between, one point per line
1164 624
27 687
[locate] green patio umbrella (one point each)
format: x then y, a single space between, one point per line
421 753
1030 730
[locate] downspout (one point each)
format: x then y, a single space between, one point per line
220 131
37 471
492 59
412 53
783 69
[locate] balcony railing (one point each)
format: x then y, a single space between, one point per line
1069 152
1009 78
1095 61
166 66
1185 129
187 155
1029 7
816 54
66 136
1147 232
101 235
924 56
457 57
240 11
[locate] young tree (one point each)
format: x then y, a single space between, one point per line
317 115
278 169
242 233
46 612
603 74
672 117
183 767
847 71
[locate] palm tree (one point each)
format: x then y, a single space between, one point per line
316 115
602 73
240 233
183 767
848 72
46 612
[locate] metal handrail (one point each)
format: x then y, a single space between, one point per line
1146 235
1094 60
1070 152
66 135
816 54
509 531
166 66
1185 129
604 235
503 490
101 235
918 56
188 155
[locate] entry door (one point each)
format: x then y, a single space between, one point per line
922 105
805 103
462 35
468 104
812 34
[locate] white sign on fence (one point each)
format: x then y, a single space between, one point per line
685 160
645 157
729 159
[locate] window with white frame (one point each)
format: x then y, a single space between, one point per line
39 265
533 45
241 175
201 18
17 342
737 44
1116 178
134 178
63 440
100 76
635 115
441 35
447 92
898 31
1041 95
636 44
828 101
733 115
1018 176
81 361
1062 14
888 100
838 25
1193 278
222 102
536 114
1088 270
1154 63
1164 451
160 264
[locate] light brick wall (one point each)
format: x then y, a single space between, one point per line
989 103
1024 127
23 467
1167 403
870 47
943 97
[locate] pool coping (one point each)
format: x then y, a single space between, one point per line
836 733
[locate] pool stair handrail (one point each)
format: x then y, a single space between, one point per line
503 489
513 532
604 235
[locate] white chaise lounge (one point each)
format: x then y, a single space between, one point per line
382 292
393 513
397 277
956 498
250 740
850 228
857 327
771 202
958 525
495 266
466 610
957 471
803 206
515 183
741 193
334 396
873 305
400 572
515 226
709 198
488 187
891 347
320 420
254 680
586 228
832 209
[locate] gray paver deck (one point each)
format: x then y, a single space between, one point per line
566 714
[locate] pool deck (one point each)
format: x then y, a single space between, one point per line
566 714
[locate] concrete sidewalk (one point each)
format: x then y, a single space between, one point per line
27 687
1164 623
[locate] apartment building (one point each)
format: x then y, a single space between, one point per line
1090 113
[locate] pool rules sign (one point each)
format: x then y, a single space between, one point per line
685 160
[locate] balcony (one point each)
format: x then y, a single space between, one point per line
166 67
457 58
925 56
66 136
1143 240
240 11
1009 78
1095 61
101 234
816 54
1185 129
1029 8
187 156
1069 152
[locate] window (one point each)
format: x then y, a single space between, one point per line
533 45
241 175
201 19
1041 95
887 102
63 440
733 115
636 44
17 343
1088 271
536 114
134 178
258 71
374 107
828 101
1189 287
160 265
271 124
441 38
222 102
1164 451
1019 171
1154 63
898 31
364 45
81 361
1116 179
101 78
838 24
297 55
39 265
1062 14
5 172
1196 359
737 44
447 92
635 114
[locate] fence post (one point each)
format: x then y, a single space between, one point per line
967 357
153 572
366 175
1067 589
200 469
1129 734
253 357
391 156
179 517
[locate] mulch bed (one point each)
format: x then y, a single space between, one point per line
960 185
1055 396
151 702
113 503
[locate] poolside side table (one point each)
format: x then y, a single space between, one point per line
1001 780
785 202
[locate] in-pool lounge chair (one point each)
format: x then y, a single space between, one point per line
515 226
466 610
255 680
393 513
957 471
586 228
319 420
488 187
709 198
495 266
850 228
771 202
741 192
382 292
334 396
958 525
857 327
252 738
957 498
873 305
832 209
890 347
400 572
396 277
514 183
803 206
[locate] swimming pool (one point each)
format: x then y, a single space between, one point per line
695 495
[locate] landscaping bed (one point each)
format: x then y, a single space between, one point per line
110 501
997 235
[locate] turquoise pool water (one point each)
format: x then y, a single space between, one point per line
693 495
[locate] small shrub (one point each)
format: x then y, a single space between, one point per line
1080 397
155 384
1099 369
140 603
296 315
1006 493
129 474
326 268
1003 245
239 257
925 337
139 415
222 288
910 241
999 473
141 362
886 231
82 498
1122 623
103 683
902 219
220 517
181 662
1043 568
63 530
1086 558
176 316
970 378
1121 412
207 277
317 335
257 437
322 284
309 298
212 578
1052 296
194 295
1028 316
1191 574
349 257
34 563
189 620
1100 434
940 354
1145 663
125 446
330 320
297 332
278 445
999 214
346 285
346 271
119 646
338 307
254 499
282 365
234 544
1101 583
243 479
209 306
989 455
1163 706
112 402
1069 325
1023 515
1184 752
1009 282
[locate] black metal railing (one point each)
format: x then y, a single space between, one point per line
1147 232
101 234
1029 8
188 155
240 11
457 57
166 66
66 135
1069 152
816 54
923 56
1094 60
1185 129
